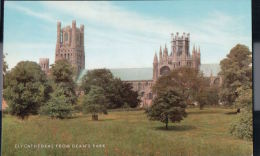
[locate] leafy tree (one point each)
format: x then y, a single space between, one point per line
130 96
235 71
116 91
242 127
62 71
95 102
213 97
98 77
236 89
187 81
244 99
26 89
121 93
59 105
168 106
207 95
5 65
62 76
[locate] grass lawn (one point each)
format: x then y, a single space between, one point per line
202 133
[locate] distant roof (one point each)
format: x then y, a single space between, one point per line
147 73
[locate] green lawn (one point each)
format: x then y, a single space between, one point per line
203 133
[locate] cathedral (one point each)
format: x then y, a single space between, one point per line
69 46
179 57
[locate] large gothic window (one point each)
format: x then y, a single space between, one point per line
164 70
216 81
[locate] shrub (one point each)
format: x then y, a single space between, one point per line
243 126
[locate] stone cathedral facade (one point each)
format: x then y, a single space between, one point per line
69 46
179 56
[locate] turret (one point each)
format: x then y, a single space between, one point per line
193 50
155 68
155 59
165 53
160 54
199 58
58 33
183 55
82 34
73 37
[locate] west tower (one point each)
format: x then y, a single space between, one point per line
70 45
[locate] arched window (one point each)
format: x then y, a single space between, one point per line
164 70
150 96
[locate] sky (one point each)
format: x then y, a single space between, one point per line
125 34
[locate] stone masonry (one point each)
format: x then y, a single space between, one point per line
179 57
70 45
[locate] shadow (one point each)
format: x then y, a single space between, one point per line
176 128
103 120
206 112
231 113
89 118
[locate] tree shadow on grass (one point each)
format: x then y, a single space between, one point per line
89 118
103 120
176 128
231 113
206 112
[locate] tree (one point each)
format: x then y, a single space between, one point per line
236 89
131 97
59 105
243 126
98 77
167 106
95 102
62 71
121 93
116 91
26 89
244 99
185 80
62 76
5 65
235 71
207 95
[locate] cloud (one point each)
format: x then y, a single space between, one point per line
218 28
30 12
131 38
110 15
